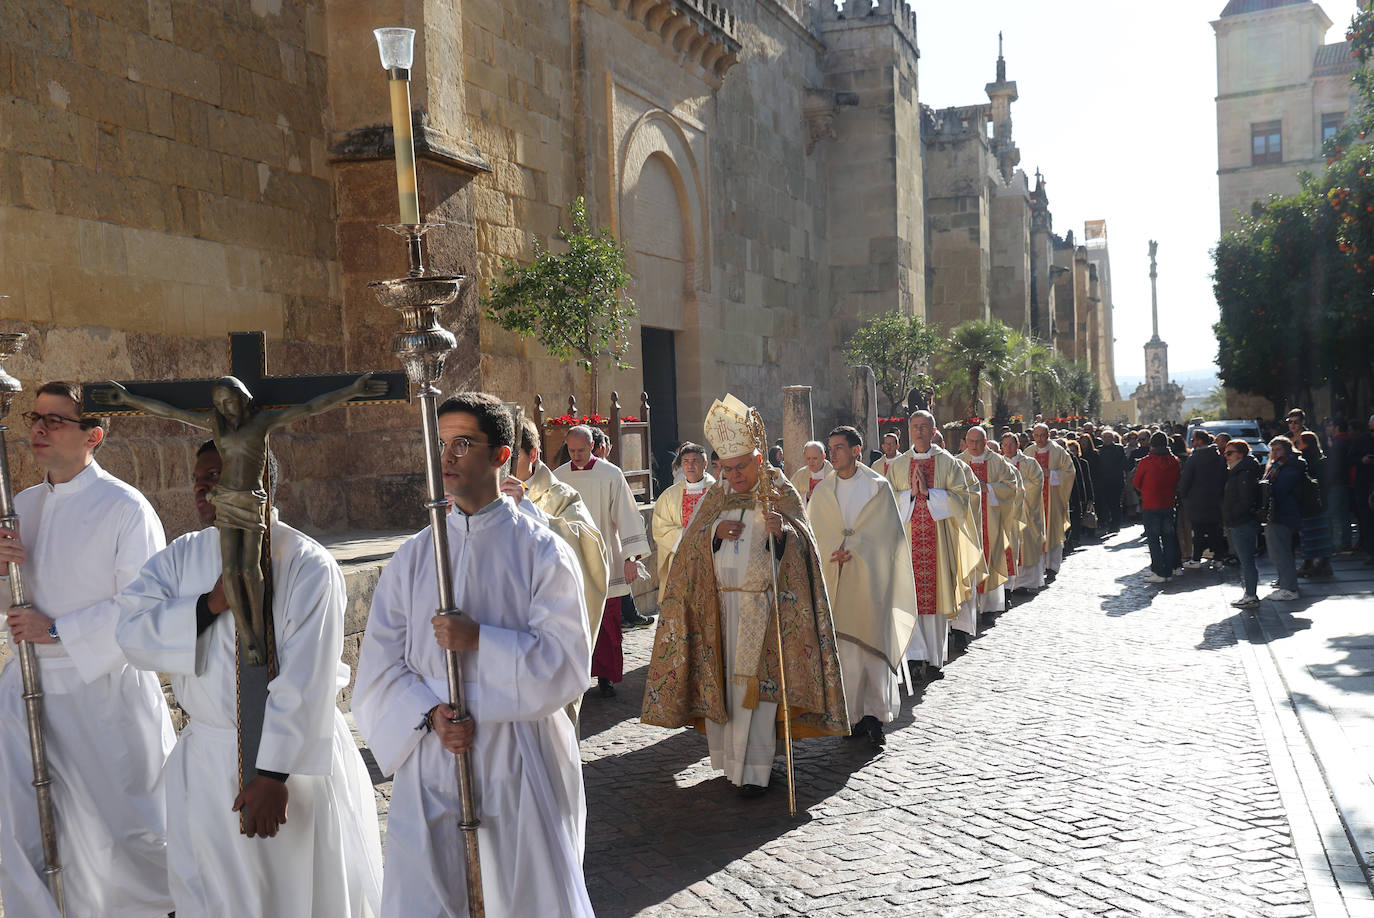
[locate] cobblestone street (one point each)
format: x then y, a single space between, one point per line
1097 751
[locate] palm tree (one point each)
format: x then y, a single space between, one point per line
1026 370
973 349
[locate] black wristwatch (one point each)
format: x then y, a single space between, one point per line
52 632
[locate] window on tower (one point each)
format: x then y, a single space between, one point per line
1331 124
1266 143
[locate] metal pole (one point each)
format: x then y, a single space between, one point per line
422 344
437 505
28 659
782 682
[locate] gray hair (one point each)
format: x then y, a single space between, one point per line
581 430
816 443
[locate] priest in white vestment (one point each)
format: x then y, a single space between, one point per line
1059 471
1030 547
813 470
613 508
866 562
674 508
325 861
891 446
1000 493
83 536
522 635
937 500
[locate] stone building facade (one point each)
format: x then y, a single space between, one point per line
1281 91
171 171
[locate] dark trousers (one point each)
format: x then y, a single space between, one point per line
1108 509
1161 535
1208 535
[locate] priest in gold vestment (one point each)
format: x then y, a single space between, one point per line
674 508
998 510
1059 472
715 662
1028 560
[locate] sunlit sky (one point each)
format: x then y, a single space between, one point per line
1117 109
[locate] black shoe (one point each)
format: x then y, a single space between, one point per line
1320 569
1050 575
874 729
856 731
933 673
628 622
753 791
604 687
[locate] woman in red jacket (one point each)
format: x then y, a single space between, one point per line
1156 478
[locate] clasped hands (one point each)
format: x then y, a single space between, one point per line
730 530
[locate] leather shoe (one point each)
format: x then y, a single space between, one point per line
604 687
753 791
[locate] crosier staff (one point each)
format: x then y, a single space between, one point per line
28 659
769 498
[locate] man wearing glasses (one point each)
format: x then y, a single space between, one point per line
522 632
85 535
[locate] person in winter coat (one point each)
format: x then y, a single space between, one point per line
1200 488
1284 479
1156 478
1240 513
1112 464
1316 529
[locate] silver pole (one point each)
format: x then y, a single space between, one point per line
28 659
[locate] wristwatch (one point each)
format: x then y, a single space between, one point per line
52 632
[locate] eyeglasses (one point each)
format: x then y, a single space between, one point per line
458 447
49 421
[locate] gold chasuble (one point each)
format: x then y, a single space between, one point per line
873 596
805 484
1059 470
998 522
687 678
1032 514
947 568
571 521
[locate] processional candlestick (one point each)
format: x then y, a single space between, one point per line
10 344
422 345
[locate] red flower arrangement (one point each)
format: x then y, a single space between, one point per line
589 420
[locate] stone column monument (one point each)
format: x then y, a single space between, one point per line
864 405
796 424
1157 399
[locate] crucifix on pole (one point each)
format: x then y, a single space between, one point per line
240 411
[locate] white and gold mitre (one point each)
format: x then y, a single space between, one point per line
727 428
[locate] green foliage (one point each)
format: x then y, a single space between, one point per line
1026 370
1295 282
1068 387
974 349
1213 406
896 347
572 303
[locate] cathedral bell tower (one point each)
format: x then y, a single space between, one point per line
1002 93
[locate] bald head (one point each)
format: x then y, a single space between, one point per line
976 441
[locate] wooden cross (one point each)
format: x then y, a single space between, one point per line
192 397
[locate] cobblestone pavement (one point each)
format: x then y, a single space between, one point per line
1097 751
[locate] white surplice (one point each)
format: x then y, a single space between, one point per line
105 723
745 745
325 862
523 586
613 509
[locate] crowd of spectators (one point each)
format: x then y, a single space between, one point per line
1211 503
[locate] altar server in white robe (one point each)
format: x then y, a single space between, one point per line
85 534
866 563
674 508
525 647
613 509
325 861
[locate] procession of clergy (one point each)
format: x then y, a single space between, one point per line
864 571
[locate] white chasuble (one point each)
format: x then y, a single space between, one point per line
872 596
743 747
522 585
106 724
325 862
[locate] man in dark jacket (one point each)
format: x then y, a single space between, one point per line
1156 478
1284 478
1112 464
1240 509
1200 488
